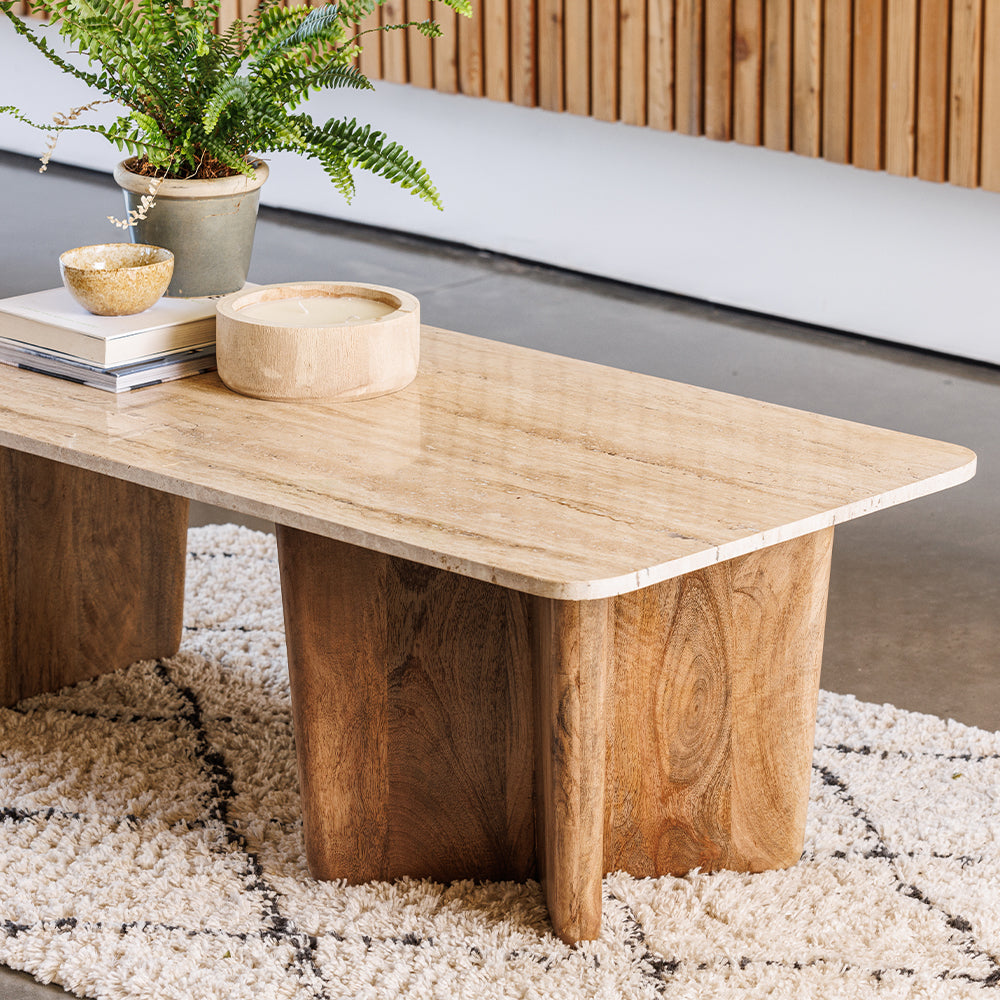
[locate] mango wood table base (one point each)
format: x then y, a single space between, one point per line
91 574
450 728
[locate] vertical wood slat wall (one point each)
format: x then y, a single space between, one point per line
907 86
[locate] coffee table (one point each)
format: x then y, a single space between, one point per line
544 618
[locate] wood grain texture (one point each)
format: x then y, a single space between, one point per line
370 59
495 15
419 58
932 90
719 70
901 88
445 51
660 63
965 96
352 361
571 648
907 86
867 131
470 54
748 50
334 602
711 714
229 11
990 160
448 728
604 69
576 35
523 47
412 695
91 574
563 478
632 59
395 67
551 58
838 33
689 63
777 126
807 77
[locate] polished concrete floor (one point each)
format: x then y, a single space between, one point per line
914 612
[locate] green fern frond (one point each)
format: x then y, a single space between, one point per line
362 146
232 89
430 29
200 103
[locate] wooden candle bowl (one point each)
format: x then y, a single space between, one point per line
349 361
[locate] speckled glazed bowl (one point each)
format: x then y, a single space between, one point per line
116 279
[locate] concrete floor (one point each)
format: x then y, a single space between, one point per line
914 612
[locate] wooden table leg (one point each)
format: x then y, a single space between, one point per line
712 713
91 574
411 694
572 646
450 728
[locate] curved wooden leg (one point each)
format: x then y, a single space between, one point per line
572 643
411 692
91 574
712 713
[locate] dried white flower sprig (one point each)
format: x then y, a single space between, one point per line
62 120
146 202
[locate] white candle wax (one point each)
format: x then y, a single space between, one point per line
317 310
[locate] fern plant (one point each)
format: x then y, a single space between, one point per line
197 103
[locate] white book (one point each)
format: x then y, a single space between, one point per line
53 321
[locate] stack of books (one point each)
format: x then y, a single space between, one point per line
50 333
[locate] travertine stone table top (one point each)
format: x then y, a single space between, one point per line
547 475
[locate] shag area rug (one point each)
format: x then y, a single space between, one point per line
150 847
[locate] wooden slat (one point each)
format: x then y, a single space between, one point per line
719 69
523 85
604 59
660 63
470 54
990 139
866 137
838 32
370 60
496 48
778 74
576 31
229 11
418 47
394 63
748 48
908 86
632 56
932 90
901 88
445 50
551 63
966 92
807 77
689 52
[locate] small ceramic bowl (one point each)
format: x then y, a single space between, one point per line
116 279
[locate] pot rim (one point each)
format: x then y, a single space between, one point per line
403 303
218 187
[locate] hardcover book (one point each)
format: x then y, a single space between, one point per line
53 321
119 378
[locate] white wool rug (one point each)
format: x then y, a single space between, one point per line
150 847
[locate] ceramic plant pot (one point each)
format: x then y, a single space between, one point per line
208 225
